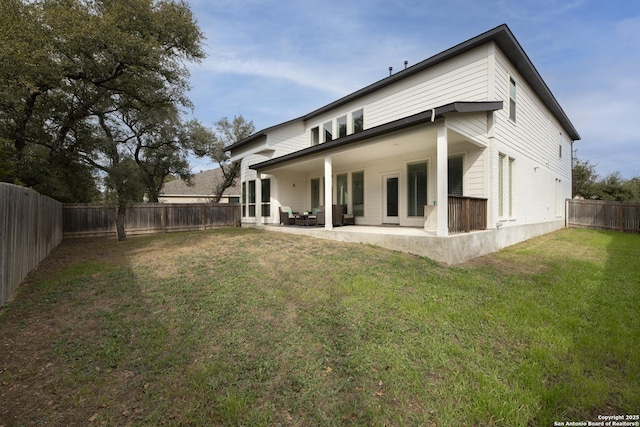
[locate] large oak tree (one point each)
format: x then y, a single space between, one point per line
97 84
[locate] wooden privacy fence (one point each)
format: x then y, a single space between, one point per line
30 228
95 220
467 214
605 215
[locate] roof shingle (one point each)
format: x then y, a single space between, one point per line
203 184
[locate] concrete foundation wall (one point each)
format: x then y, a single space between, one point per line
462 247
452 249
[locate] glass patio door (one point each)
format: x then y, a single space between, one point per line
390 199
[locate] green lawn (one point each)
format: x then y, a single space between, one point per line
246 327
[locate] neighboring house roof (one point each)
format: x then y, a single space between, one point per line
203 184
504 39
405 122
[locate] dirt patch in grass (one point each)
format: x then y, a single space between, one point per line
248 327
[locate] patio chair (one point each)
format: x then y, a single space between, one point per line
348 219
287 216
337 212
319 213
336 215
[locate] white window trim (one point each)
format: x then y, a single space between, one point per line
506 197
334 126
404 187
463 154
323 137
512 78
311 136
351 121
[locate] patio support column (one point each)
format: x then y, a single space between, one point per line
328 194
258 201
442 182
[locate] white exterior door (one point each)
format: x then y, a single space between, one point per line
390 204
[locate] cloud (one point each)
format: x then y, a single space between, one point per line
600 96
276 60
292 71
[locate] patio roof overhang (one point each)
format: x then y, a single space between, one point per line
428 116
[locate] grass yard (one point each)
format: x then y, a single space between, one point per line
246 327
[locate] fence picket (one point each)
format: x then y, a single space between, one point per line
604 215
95 220
30 228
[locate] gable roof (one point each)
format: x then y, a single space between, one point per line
203 184
501 35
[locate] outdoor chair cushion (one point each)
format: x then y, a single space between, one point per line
287 216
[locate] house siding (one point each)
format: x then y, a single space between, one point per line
292 187
532 141
541 176
472 126
461 78
475 176
287 139
374 175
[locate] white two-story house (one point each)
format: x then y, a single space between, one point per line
470 146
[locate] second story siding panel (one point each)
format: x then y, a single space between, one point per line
529 134
559 150
463 78
287 139
473 126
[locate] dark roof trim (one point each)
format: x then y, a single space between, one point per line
406 122
262 133
505 40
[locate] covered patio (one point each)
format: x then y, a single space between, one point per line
371 173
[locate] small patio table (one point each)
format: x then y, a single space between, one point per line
306 220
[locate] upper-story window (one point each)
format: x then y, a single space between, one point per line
512 99
338 128
342 126
315 136
327 130
357 118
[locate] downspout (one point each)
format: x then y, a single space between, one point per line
433 115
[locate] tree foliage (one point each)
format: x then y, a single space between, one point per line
215 143
587 184
584 178
95 86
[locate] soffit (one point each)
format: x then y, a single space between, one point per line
372 135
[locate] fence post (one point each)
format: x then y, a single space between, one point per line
235 221
621 216
467 203
202 218
163 219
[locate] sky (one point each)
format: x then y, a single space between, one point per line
275 60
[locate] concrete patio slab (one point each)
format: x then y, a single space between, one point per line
452 249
